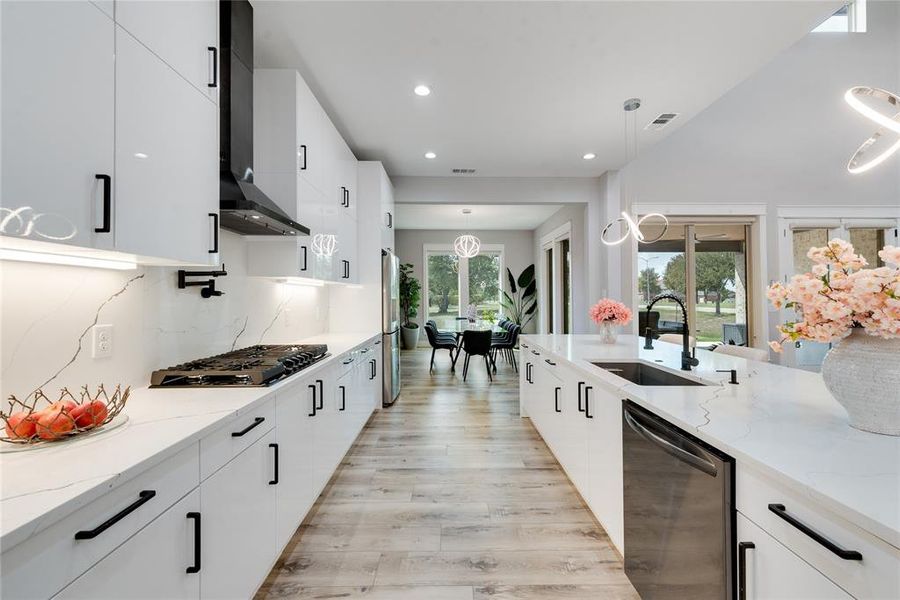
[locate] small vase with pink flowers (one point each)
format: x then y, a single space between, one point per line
609 315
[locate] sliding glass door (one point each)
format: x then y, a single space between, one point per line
555 282
452 283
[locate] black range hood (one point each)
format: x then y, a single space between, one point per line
243 207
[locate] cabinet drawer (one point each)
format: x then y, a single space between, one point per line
44 564
237 435
876 576
769 571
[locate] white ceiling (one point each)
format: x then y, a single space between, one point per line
483 217
519 88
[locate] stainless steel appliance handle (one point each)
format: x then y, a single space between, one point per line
698 462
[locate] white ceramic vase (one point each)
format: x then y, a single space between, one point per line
862 372
607 332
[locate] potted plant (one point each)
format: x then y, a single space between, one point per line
858 310
520 303
410 292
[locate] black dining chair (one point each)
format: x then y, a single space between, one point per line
439 341
477 343
507 345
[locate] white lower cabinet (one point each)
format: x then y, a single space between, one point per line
769 571
160 561
295 492
238 534
604 490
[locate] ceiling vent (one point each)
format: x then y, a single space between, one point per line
463 171
660 121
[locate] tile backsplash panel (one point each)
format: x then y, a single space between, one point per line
47 311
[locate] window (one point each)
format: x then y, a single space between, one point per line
704 265
452 283
850 18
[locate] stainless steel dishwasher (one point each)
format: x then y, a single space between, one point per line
679 511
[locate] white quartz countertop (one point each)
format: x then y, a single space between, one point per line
38 487
783 422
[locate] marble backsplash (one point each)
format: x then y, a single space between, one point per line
47 311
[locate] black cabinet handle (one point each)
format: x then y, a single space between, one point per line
274 481
144 496
305 257
347 192
742 568
535 352
244 431
587 402
315 404
195 568
303 147
528 372
556 400
549 362
781 511
107 203
343 196
343 398
215 247
215 55
321 394
581 385
346 264
374 368
390 221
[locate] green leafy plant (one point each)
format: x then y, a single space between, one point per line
410 292
520 303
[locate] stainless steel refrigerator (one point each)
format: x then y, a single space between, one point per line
390 325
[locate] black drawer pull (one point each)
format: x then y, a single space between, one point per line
305 258
581 385
535 352
321 384
742 568
215 55
274 481
315 404
374 368
781 511
587 405
243 431
343 398
556 400
303 146
549 362
390 221
195 568
215 247
107 203
144 496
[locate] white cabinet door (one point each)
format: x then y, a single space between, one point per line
346 265
166 160
184 34
387 212
574 428
326 429
239 507
58 90
604 468
346 389
159 561
311 156
294 492
772 572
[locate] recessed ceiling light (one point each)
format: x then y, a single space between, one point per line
140 155
254 216
422 90
430 155
589 156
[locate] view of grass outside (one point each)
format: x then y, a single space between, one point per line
484 284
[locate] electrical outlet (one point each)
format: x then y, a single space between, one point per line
101 341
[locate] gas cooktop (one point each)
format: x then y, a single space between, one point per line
255 366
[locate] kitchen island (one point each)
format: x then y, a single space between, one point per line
782 427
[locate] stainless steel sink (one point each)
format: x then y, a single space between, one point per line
644 374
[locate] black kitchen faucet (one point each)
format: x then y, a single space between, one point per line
687 360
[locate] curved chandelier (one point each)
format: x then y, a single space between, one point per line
467 245
633 229
867 156
324 244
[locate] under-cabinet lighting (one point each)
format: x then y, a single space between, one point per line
65 259
305 281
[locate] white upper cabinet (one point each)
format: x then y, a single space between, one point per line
114 126
58 82
167 180
185 34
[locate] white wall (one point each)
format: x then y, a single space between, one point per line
518 251
46 312
781 138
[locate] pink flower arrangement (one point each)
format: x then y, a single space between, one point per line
610 311
840 294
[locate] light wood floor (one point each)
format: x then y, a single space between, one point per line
449 495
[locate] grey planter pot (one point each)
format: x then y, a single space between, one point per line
409 336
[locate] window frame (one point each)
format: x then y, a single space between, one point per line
462 275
